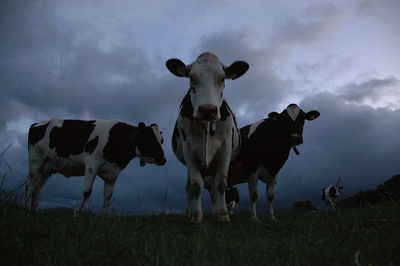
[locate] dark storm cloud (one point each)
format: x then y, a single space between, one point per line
373 89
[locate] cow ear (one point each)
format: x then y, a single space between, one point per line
312 115
177 67
236 70
273 115
142 125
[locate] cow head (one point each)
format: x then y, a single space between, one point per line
292 120
334 192
207 81
148 144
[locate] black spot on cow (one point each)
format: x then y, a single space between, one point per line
36 133
332 192
175 136
196 190
71 137
183 135
147 144
254 196
91 145
187 107
224 110
120 148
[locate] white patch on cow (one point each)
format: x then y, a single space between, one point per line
157 133
253 127
293 111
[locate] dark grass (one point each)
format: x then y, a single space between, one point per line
369 235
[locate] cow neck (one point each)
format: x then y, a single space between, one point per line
209 130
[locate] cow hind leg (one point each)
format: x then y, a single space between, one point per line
108 191
253 193
88 181
270 187
35 181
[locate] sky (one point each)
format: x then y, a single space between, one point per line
106 60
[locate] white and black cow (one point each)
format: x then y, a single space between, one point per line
264 150
330 195
88 148
206 137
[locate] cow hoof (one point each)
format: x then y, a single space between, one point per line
224 219
254 219
195 220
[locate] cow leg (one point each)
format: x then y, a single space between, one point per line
189 197
218 194
195 192
32 182
252 184
88 181
108 192
270 187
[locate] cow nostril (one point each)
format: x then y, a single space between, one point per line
207 112
208 108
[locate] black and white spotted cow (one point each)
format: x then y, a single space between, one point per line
330 195
265 148
206 137
88 148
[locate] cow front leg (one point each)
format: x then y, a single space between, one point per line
108 192
195 192
253 193
189 197
88 181
270 187
220 185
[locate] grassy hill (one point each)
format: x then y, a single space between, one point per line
360 236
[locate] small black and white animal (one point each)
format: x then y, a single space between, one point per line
265 148
330 195
87 148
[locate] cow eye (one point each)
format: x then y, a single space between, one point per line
194 80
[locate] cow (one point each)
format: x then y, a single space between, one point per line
206 136
87 148
265 147
304 206
232 199
330 195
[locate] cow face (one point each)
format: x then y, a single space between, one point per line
292 119
148 144
207 81
334 192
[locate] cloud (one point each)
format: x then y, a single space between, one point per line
375 92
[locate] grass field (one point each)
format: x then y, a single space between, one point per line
364 236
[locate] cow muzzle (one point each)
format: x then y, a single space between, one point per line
296 139
161 161
207 112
